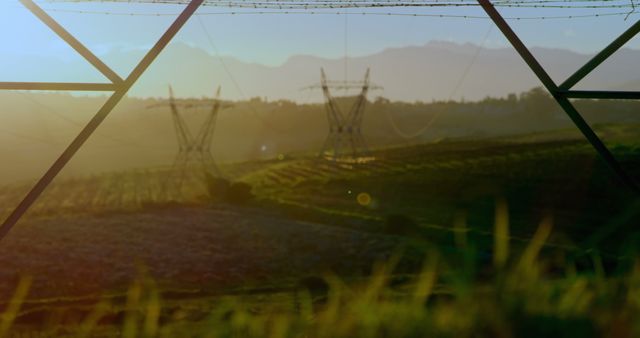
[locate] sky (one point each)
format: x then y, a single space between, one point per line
272 39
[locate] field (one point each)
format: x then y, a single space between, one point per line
475 202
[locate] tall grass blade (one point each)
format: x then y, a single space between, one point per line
501 234
89 323
426 281
152 315
460 229
11 312
130 326
527 261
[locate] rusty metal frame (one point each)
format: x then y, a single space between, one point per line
120 87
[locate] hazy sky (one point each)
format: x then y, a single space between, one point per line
271 39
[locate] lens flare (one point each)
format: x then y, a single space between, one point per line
364 199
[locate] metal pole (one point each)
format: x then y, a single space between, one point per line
59 86
600 94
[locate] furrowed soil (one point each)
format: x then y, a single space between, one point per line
76 256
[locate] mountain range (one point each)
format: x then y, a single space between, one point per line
437 70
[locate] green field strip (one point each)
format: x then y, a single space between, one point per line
425 224
500 160
306 172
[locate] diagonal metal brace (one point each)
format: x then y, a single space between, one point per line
601 57
72 41
121 90
58 86
600 94
562 95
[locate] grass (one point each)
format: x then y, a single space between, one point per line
516 294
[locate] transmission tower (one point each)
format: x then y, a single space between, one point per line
191 149
345 131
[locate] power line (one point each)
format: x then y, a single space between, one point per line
346 48
334 4
633 9
263 121
119 142
457 86
388 14
71 121
33 139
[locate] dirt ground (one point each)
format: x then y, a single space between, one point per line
181 248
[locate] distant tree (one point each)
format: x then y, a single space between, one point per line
381 100
538 104
535 94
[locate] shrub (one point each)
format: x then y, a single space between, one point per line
217 187
239 193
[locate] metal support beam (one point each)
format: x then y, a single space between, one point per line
600 94
601 57
72 41
121 90
59 86
562 96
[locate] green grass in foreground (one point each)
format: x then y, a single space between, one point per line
514 295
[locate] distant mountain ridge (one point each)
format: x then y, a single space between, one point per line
437 70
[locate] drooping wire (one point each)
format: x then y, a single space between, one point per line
436 116
633 9
244 97
61 117
346 48
32 139
117 140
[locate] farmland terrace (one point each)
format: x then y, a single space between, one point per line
87 235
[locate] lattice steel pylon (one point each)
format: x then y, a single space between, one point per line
345 132
191 149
